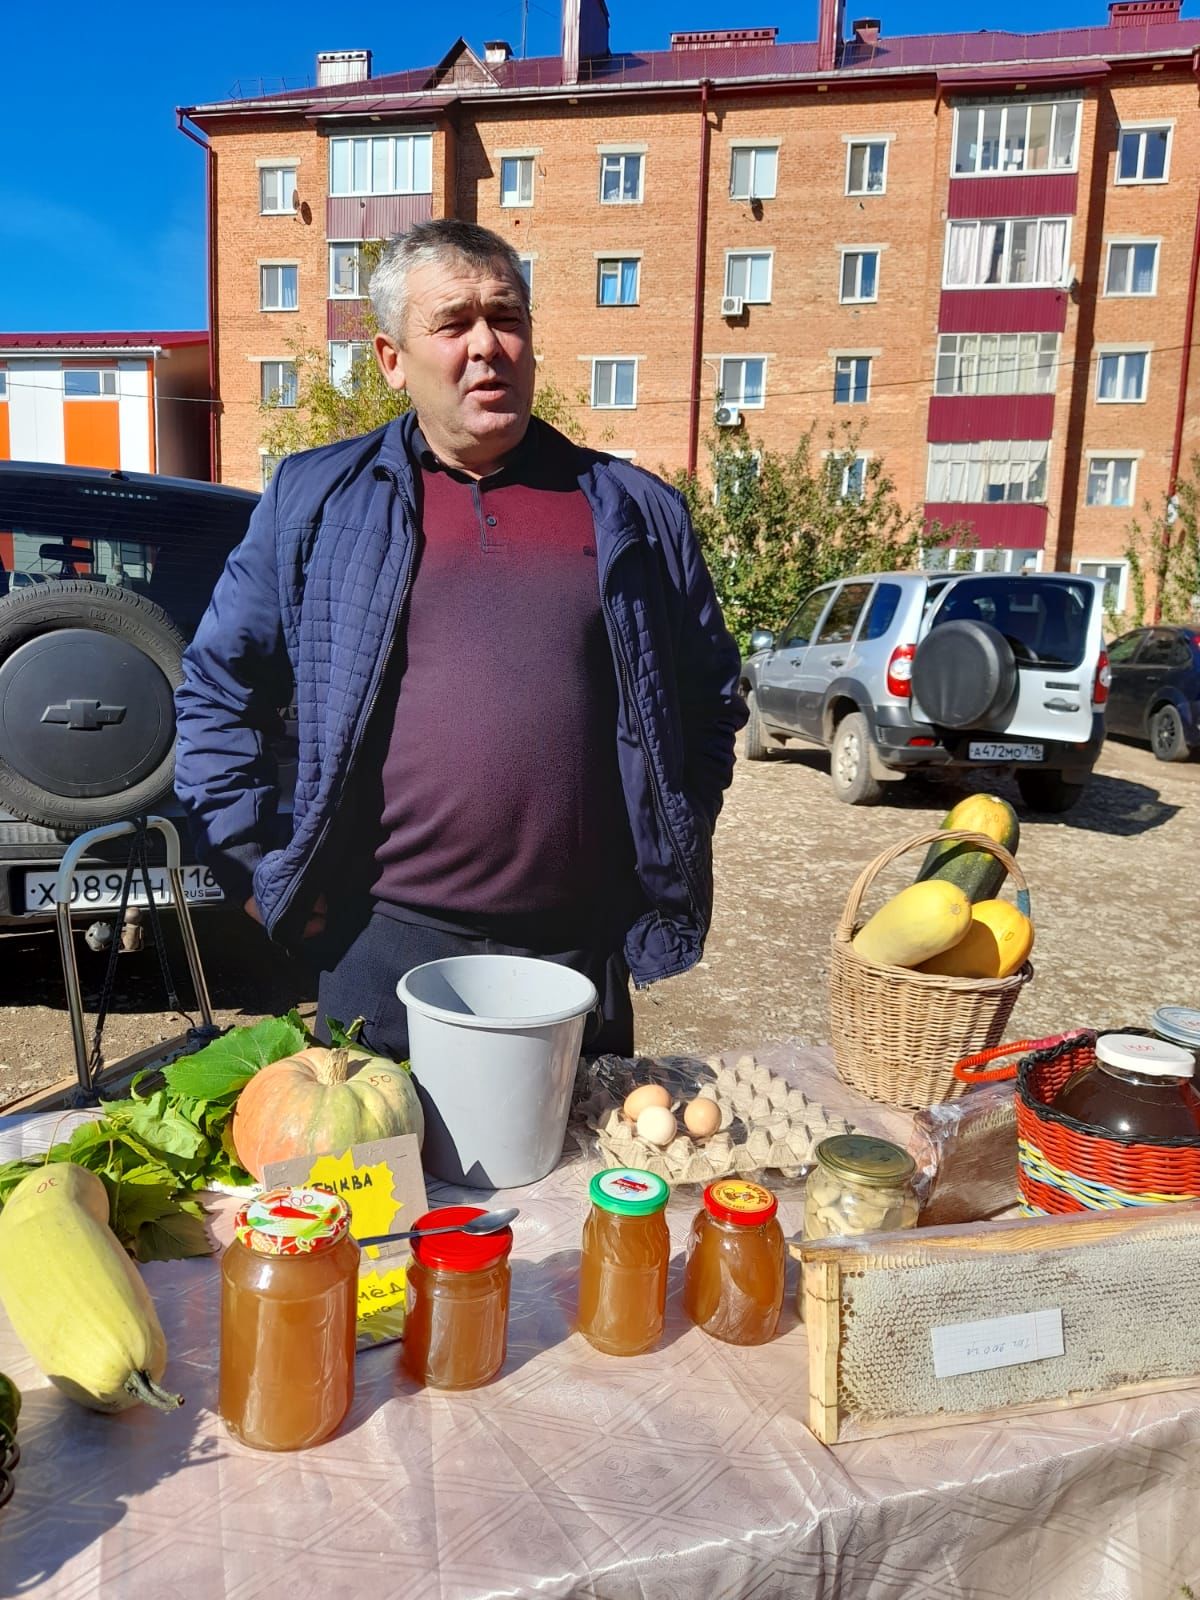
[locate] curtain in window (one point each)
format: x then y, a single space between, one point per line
990 261
287 282
1051 252
1143 269
1110 369
629 277
960 254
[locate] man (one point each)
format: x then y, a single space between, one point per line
517 699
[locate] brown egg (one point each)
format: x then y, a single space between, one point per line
650 1094
656 1125
702 1118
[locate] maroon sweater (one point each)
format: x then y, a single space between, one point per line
501 796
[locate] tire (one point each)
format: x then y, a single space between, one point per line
850 762
758 746
1168 738
87 717
964 674
1049 791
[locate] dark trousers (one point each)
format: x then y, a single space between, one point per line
361 980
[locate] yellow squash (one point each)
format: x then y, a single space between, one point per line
75 1299
919 922
996 944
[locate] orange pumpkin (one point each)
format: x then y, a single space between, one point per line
322 1101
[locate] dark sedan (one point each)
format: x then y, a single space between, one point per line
1155 691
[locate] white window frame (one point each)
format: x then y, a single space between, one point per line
980 560
856 141
623 154
950 345
264 477
364 345
751 255
528 259
980 454
1148 125
614 361
510 198
264 267
754 148
288 209
853 355
359 292
1131 244
264 393
979 109
1111 457
106 383
1084 562
728 397
1120 352
618 261
407 139
1006 223
858 458
858 250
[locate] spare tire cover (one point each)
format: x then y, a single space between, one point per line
964 674
87 722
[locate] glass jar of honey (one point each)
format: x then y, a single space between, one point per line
736 1263
859 1185
289 1297
456 1326
623 1263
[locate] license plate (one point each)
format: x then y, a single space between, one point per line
95 889
980 750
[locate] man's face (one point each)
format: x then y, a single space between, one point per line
466 360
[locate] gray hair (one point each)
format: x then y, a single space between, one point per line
444 240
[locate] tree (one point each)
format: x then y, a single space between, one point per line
1166 547
773 526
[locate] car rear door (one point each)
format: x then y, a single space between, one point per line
1155 663
1122 714
829 652
779 677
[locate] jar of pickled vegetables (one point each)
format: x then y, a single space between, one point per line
456 1324
859 1185
289 1298
736 1263
623 1263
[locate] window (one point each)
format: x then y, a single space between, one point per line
279 387
614 384
347 277
842 616
853 477
344 356
390 163
1142 154
267 464
884 604
1038 137
851 380
1121 376
3 385
1132 267
276 191
866 166
278 288
802 626
1125 648
988 471
748 274
621 179
516 181
753 170
860 276
996 363
735 473
1110 480
949 558
89 382
527 273
1114 574
617 281
743 381
1013 250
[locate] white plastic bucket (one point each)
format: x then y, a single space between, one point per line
494 1042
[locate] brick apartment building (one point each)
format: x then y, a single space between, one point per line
981 249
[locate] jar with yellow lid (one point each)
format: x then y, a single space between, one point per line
736 1263
859 1185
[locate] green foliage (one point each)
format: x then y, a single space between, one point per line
1165 547
773 525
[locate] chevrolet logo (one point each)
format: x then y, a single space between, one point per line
83 715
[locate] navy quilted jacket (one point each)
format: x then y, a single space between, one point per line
306 608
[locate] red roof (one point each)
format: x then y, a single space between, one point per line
101 341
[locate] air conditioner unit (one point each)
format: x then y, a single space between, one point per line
732 305
727 417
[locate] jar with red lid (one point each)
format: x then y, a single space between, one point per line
289 1299
736 1263
456 1324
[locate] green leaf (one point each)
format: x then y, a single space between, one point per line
225 1065
343 1038
168 1130
141 1198
172 1238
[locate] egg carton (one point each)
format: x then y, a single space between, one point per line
766 1124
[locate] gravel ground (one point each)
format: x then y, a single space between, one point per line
1113 902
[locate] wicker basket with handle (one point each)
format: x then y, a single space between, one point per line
897 1034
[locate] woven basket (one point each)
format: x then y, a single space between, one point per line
1065 1165
898 1034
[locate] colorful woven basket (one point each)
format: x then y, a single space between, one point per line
1065 1165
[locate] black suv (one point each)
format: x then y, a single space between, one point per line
103 579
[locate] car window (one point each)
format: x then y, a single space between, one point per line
838 626
1181 652
1158 650
804 623
1125 648
1044 620
884 604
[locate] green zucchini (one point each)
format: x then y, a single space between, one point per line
978 873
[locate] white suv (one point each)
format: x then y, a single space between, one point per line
897 671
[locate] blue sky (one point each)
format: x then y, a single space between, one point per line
102 201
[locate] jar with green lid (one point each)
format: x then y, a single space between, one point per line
859 1185
623 1262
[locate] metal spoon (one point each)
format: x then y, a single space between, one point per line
489 1222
